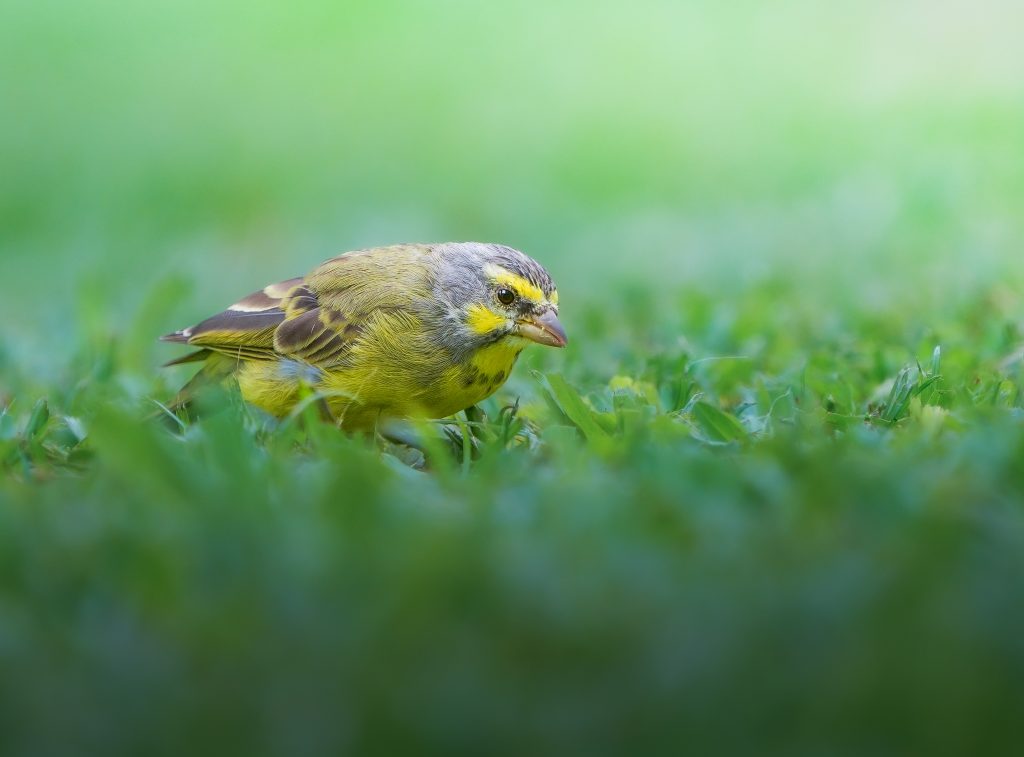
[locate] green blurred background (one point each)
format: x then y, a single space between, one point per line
826 190
848 145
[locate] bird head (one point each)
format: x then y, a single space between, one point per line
491 293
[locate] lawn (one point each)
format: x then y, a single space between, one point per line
769 500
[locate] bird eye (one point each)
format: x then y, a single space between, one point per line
505 296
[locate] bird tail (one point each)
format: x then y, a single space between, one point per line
193 357
189 402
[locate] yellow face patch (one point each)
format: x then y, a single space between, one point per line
554 298
482 320
521 286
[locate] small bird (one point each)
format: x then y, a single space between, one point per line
405 331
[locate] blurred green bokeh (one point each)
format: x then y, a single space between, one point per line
663 142
771 205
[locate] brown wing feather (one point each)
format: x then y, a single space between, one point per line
328 314
245 330
321 336
318 318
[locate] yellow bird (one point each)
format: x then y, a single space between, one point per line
411 330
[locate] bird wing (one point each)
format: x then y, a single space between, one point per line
245 330
347 297
316 318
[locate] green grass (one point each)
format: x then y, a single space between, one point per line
804 539
769 500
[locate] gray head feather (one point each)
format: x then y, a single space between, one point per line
462 280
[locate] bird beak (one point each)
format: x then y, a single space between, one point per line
543 329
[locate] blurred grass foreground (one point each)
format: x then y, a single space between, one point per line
770 500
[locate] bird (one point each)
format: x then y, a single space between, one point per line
396 332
